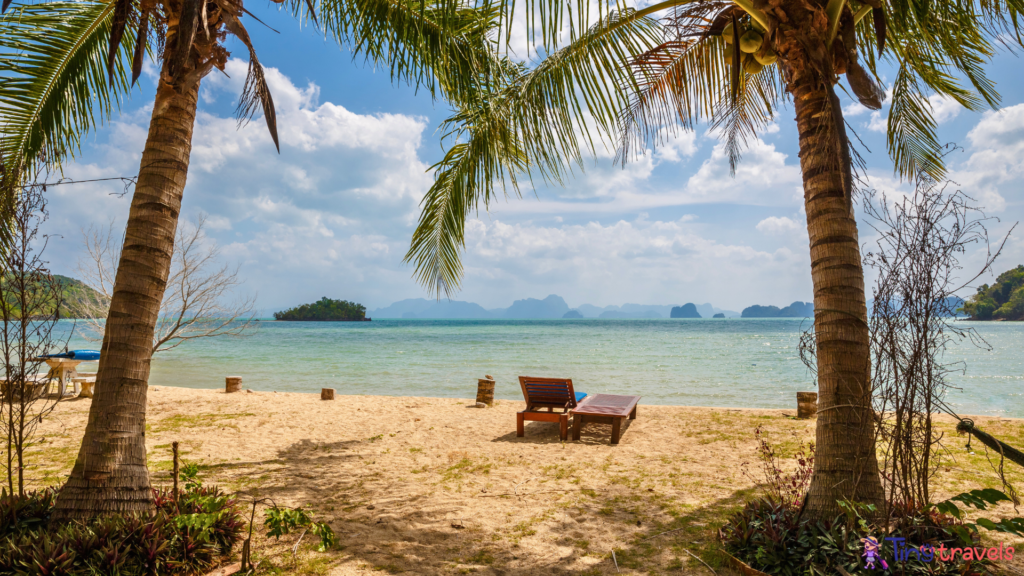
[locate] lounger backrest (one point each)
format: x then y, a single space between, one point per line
548 392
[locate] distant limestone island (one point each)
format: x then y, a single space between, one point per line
794 310
1003 300
531 308
325 310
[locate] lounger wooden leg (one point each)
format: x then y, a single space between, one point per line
520 432
616 426
632 415
577 424
563 427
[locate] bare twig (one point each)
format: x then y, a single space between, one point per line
196 303
515 489
517 494
615 560
663 533
295 548
921 238
699 560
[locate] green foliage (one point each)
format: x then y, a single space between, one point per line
775 539
525 123
73 294
980 499
183 537
324 310
638 82
281 521
189 475
55 87
1004 300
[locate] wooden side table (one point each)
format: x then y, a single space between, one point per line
606 409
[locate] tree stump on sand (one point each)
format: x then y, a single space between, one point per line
485 391
806 404
327 394
87 389
233 384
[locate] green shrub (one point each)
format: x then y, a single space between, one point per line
183 537
775 539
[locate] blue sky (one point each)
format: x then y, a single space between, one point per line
333 212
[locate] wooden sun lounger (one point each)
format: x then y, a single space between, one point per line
549 393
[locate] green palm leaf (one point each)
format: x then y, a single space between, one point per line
53 81
533 122
441 45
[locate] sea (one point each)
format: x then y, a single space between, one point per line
750 363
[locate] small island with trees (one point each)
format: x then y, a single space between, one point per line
1003 300
325 310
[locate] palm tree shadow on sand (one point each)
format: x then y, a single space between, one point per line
406 522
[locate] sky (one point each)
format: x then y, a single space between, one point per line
332 214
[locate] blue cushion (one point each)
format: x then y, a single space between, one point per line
580 396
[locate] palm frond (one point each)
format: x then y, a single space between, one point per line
578 88
53 80
440 45
534 122
464 178
912 141
752 110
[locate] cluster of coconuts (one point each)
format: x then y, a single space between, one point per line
752 58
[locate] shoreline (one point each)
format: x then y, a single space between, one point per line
471 400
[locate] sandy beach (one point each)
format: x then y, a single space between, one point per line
434 486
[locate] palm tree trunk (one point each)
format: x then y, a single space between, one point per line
845 463
110 474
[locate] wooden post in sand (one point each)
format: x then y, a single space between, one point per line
233 384
485 390
806 404
174 471
327 394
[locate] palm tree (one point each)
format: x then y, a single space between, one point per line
732 65
439 44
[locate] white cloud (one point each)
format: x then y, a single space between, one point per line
854 109
332 214
775 225
994 169
638 261
943 108
878 123
312 215
763 177
677 146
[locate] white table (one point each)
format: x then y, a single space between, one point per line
64 370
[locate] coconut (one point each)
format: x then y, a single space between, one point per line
751 41
727 33
768 58
752 66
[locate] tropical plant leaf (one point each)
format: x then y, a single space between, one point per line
531 122
913 144
53 81
440 45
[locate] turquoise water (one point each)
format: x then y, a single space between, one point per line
739 363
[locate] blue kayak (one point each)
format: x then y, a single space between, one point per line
84 355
